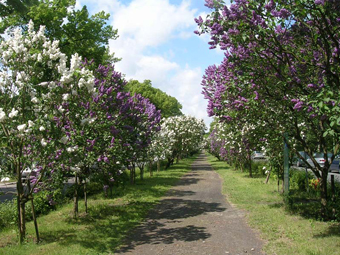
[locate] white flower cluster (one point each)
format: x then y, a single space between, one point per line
20 76
183 134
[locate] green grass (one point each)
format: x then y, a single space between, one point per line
283 231
100 231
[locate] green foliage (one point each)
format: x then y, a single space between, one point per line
91 189
87 35
259 167
297 180
8 215
168 105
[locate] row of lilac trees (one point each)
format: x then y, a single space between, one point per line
69 117
280 74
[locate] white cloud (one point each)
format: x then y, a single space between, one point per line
144 27
152 22
186 86
154 68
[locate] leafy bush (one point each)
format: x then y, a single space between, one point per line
258 167
297 180
8 215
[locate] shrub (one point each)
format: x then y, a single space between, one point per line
258 167
8 214
297 180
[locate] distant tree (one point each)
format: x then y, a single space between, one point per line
168 105
76 30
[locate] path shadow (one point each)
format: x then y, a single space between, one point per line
333 230
179 193
180 208
201 167
155 231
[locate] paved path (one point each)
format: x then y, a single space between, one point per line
194 218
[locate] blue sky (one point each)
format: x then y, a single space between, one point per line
156 42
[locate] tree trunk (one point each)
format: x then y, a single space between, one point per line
20 207
22 230
250 170
158 166
19 219
142 173
75 198
323 193
132 174
150 168
33 214
85 196
35 222
268 175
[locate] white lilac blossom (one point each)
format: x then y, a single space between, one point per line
35 100
2 115
22 127
75 169
64 140
43 142
66 97
30 123
13 113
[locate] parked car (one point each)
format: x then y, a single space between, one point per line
319 157
258 155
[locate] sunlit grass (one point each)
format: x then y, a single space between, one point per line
283 232
106 224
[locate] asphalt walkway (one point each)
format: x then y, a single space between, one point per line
194 218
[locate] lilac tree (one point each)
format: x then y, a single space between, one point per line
141 119
281 61
35 84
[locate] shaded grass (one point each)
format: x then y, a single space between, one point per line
284 232
108 221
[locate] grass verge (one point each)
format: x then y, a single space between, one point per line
101 230
283 232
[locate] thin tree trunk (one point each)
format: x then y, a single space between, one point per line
268 175
158 166
250 170
75 198
324 194
35 221
142 173
20 208
22 231
33 214
150 168
132 174
85 196
21 237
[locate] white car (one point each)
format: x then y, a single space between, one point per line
258 155
319 157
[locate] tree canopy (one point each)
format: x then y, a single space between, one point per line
280 71
76 30
168 105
